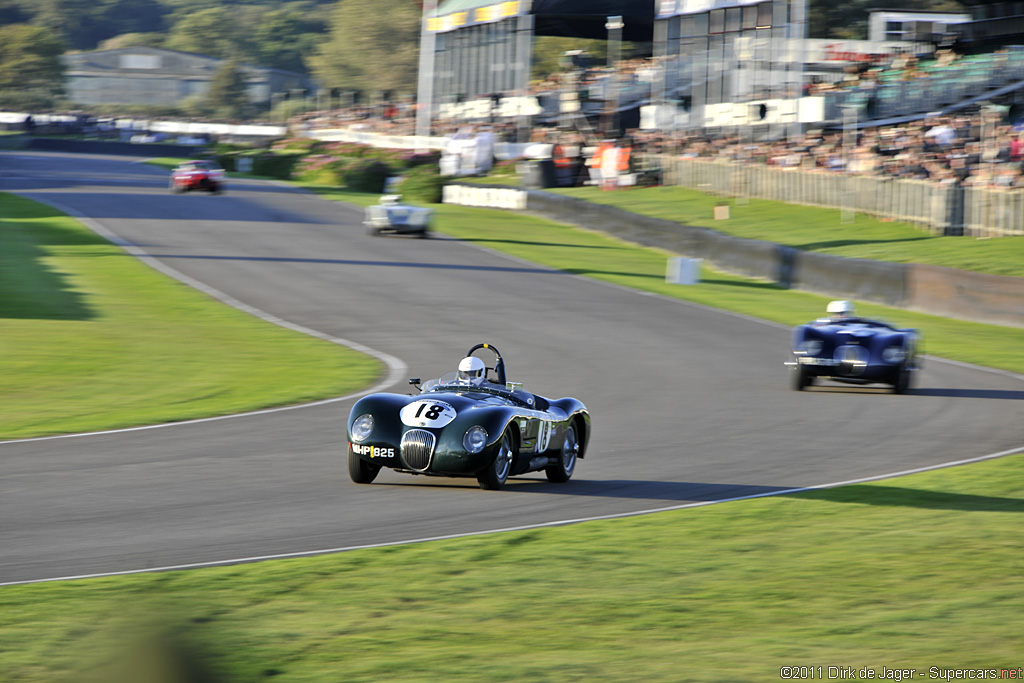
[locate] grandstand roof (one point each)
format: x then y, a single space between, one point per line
571 18
586 18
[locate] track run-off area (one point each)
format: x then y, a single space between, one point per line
690 405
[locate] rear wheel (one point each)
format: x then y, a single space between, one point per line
562 471
494 476
361 471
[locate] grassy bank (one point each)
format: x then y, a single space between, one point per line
924 571
93 339
816 229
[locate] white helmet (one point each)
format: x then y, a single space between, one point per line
471 367
841 309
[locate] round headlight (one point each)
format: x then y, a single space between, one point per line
811 347
475 439
361 428
894 354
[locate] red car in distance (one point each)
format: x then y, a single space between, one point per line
198 175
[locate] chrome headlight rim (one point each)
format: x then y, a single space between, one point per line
894 354
811 347
362 427
475 439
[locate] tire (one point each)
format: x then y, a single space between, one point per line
902 383
494 476
360 471
562 471
176 188
801 378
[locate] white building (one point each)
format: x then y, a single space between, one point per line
150 75
912 25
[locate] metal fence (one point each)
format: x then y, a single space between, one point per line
942 209
993 213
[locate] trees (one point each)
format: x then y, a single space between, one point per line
31 71
214 31
373 45
151 39
283 38
849 20
82 24
227 97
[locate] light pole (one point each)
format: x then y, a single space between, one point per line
425 85
614 25
849 141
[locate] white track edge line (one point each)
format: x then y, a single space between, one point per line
525 527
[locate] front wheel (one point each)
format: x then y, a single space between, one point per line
494 476
801 378
562 471
902 383
361 471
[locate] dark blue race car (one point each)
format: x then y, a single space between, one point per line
845 348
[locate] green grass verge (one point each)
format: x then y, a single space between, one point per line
809 228
816 229
93 339
924 571
167 163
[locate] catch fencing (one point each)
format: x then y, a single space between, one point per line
939 208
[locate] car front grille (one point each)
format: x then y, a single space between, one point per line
417 449
853 360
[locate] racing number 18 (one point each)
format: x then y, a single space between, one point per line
432 413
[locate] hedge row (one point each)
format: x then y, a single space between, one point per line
356 167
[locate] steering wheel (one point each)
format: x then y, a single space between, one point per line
499 362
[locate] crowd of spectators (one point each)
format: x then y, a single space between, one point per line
962 149
951 149
956 149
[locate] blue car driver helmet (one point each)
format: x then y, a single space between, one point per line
839 310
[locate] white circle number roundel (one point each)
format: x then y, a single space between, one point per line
427 413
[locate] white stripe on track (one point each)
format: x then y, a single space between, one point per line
525 527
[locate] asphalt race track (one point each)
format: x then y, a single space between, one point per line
689 404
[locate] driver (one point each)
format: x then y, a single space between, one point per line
841 310
471 368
